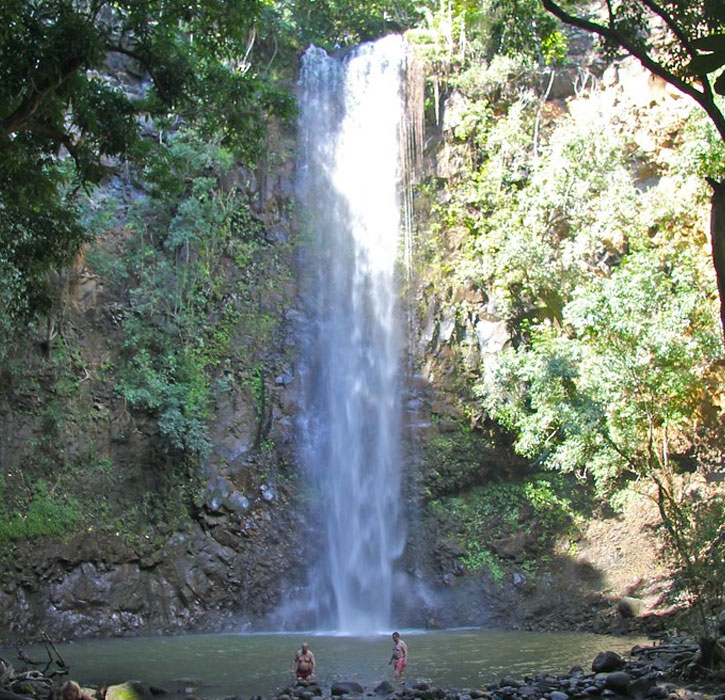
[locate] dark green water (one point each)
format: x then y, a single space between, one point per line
221 665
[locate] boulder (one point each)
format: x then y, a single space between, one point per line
346 688
512 546
130 690
384 688
618 682
425 695
606 661
629 607
641 687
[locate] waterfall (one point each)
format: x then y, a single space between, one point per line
350 179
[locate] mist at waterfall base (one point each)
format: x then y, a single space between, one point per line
349 175
224 665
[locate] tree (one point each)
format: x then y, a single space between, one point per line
614 394
337 23
65 112
668 37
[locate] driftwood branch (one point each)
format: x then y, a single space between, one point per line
60 661
53 666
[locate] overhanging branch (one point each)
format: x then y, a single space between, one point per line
32 102
703 97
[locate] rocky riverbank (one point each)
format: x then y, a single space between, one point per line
667 671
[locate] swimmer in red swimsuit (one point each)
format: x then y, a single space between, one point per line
304 663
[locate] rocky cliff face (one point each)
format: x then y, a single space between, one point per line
105 532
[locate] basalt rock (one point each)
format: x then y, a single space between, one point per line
606 661
629 607
618 682
347 688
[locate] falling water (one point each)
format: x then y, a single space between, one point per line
351 116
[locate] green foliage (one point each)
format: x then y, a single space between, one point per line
452 461
198 274
44 515
575 211
625 371
462 33
694 530
466 45
541 507
616 390
606 287
519 27
38 230
338 23
194 53
478 557
703 150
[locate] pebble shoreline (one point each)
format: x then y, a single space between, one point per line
647 674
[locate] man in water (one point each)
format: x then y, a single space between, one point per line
304 663
400 655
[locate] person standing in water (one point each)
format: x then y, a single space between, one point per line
399 657
304 663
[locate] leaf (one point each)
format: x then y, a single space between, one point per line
706 63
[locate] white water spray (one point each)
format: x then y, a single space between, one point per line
351 112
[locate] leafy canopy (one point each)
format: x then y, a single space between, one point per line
77 79
340 23
621 378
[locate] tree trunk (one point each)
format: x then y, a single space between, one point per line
717 233
711 653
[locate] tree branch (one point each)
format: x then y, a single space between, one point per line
61 137
682 37
671 24
144 62
34 99
703 98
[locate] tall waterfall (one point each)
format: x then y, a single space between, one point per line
350 174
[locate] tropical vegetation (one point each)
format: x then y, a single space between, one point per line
131 137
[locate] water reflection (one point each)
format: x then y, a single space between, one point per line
230 664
